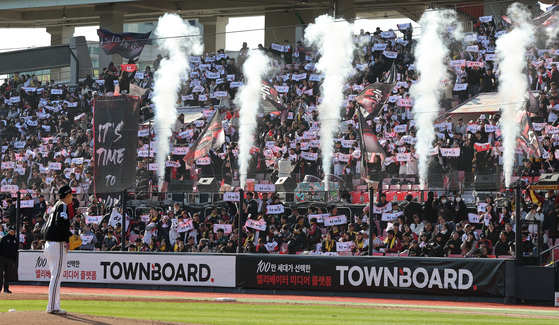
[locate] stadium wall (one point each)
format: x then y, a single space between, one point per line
458 277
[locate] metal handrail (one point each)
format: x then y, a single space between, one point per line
549 249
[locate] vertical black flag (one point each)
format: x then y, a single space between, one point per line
392 74
115 132
527 138
212 137
369 141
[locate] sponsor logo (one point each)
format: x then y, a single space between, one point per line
262 267
41 262
405 277
156 271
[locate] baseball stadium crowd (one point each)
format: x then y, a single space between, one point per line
47 142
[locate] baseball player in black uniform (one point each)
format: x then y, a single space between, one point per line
8 253
56 248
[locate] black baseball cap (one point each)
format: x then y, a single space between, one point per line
64 190
12 228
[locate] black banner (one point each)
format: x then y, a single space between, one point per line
128 45
271 101
369 140
115 131
449 276
373 97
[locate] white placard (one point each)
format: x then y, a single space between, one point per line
402 128
203 161
309 155
473 127
344 246
55 166
471 64
460 87
275 209
227 229
267 188
254 224
388 34
278 47
405 102
473 218
457 63
27 203
403 156
185 226
180 150
8 165
319 217
390 54
472 48
335 220
390 217
231 196
220 94
379 47
450 152
93 219
379 210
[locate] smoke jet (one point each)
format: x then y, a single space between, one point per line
179 40
511 50
334 40
430 53
248 98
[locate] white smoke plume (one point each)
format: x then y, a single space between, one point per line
511 50
178 39
334 40
248 98
430 53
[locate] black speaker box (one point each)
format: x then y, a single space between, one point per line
486 182
552 179
181 186
285 184
208 185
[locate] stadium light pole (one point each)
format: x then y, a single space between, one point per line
240 222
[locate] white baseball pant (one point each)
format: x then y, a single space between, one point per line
55 253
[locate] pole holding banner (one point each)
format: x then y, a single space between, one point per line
371 200
518 223
123 228
18 222
241 200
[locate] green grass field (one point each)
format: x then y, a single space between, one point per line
226 313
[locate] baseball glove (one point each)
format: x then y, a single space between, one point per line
75 242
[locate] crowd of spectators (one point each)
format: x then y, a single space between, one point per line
47 142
